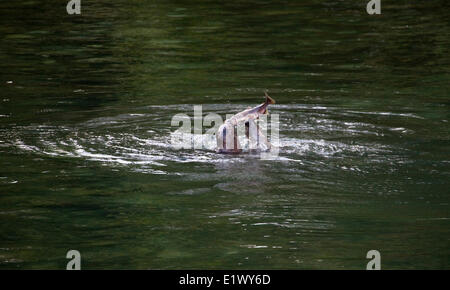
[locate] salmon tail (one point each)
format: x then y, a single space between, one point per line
269 100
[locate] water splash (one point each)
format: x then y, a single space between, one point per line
142 139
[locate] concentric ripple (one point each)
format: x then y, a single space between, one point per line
313 136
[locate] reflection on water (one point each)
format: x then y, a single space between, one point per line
86 160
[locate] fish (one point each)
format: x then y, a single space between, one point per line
251 113
227 132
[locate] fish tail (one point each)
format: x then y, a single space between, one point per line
269 100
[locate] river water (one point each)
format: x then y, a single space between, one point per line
86 162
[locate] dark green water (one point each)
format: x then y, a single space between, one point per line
85 160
